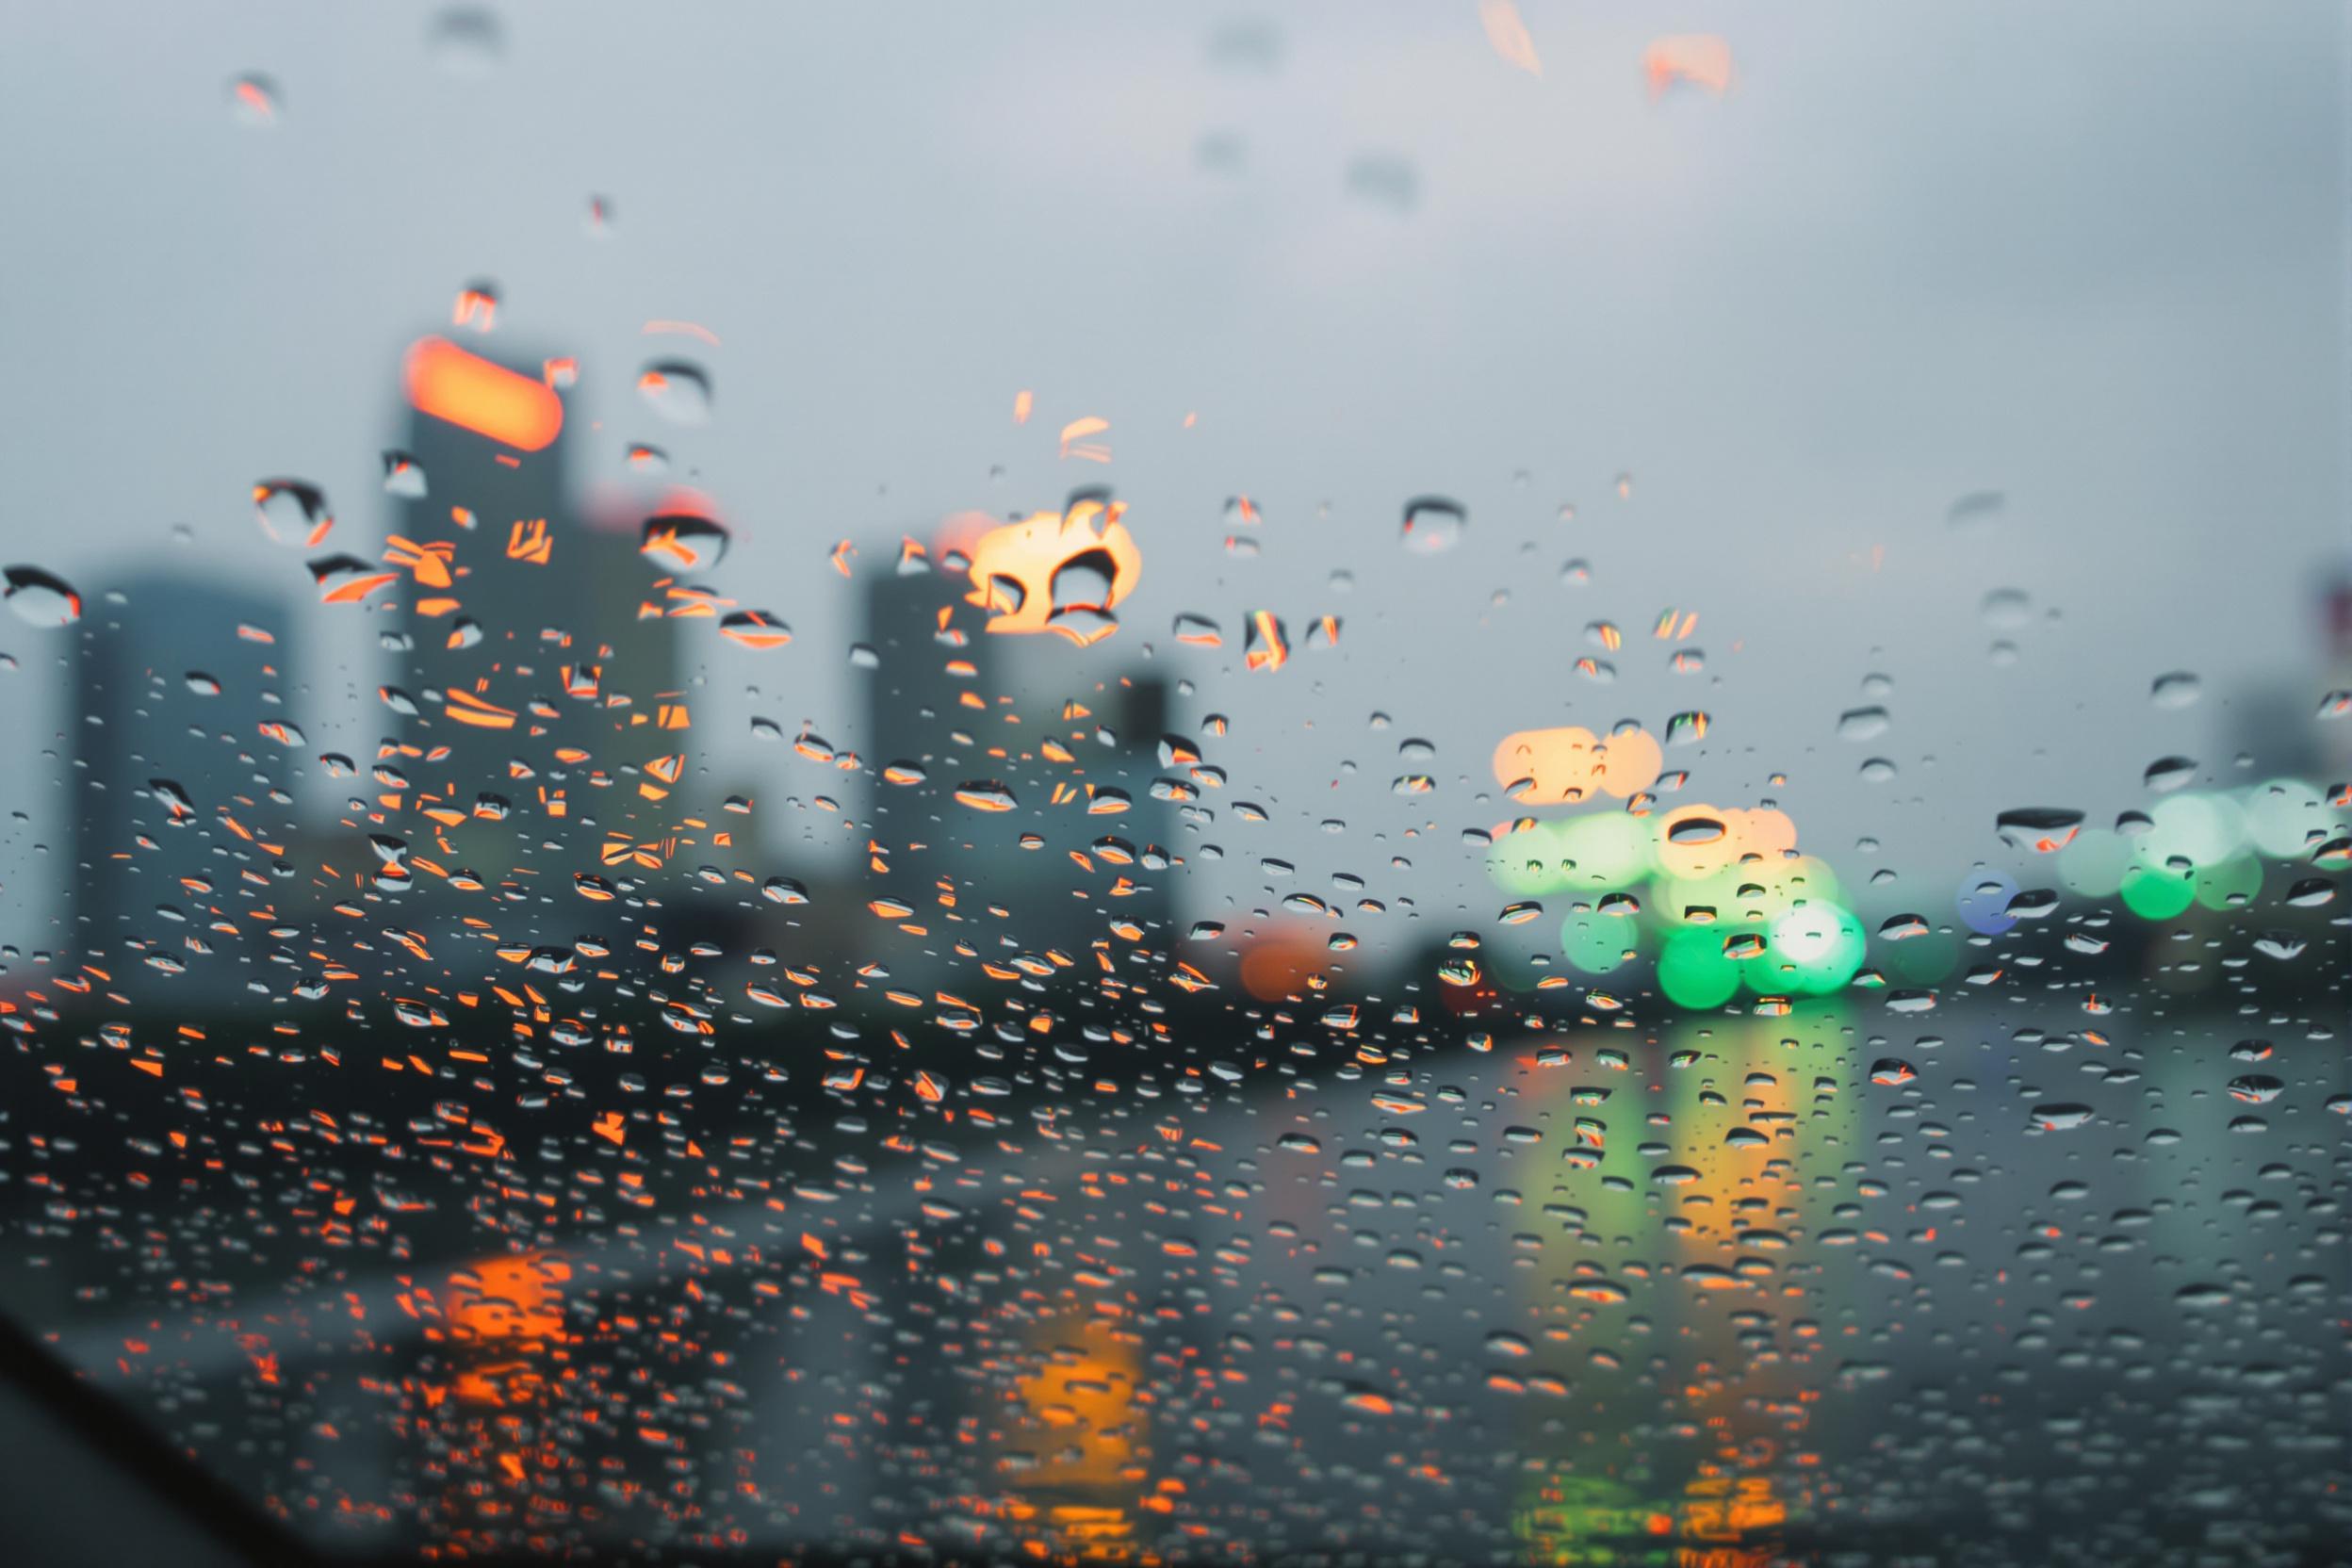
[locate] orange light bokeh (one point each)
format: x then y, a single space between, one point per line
1013 568
1552 767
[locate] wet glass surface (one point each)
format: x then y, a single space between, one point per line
1455 785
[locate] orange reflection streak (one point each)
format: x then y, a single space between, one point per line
1266 646
1093 451
689 328
1509 35
430 562
528 541
1076 1438
446 381
503 1325
1703 59
468 710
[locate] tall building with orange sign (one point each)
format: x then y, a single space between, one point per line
535 697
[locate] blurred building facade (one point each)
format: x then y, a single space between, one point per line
1073 853
177 694
543 680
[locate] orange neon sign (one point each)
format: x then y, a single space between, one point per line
446 381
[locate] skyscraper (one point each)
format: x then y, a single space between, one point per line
177 690
1011 800
537 678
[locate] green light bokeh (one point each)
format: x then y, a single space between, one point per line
1605 852
1693 971
1526 864
2094 864
2203 829
2153 892
1597 943
2281 815
2240 877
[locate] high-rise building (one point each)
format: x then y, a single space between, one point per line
1011 800
178 695
542 673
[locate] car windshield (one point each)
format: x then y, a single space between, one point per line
1489 782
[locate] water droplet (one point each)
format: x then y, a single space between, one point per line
1267 645
348 579
2176 690
2044 829
39 599
1862 724
682 543
255 102
1977 506
986 795
403 477
2031 904
292 513
677 390
1082 589
1433 525
1385 180
758 629
465 40
2006 609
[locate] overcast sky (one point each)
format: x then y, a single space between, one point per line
2091 257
